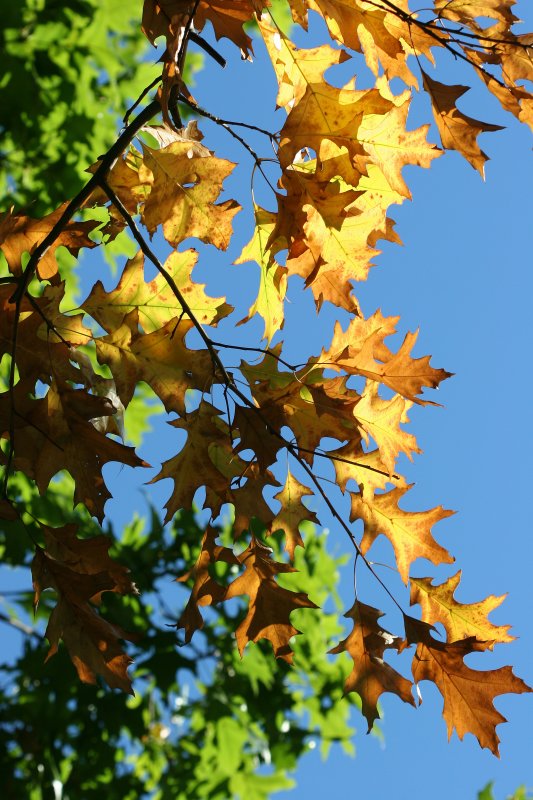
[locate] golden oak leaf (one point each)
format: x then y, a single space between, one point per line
355 347
292 513
326 113
270 605
460 620
206 590
55 433
468 694
381 420
296 67
80 570
335 247
457 131
273 281
20 234
161 359
183 188
516 57
408 531
155 300
362 27
371 675
367 469
326 235
360 350
376 190
123 178
391 146
515 99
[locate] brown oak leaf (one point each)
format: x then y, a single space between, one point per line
371 675
80 570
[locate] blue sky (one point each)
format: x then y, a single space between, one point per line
464 278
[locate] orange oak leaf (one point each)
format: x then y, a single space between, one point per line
167 18
361 350
292 513
154 300
192 467
80 571
206 590
228 18
408 531
270 605
513 98
255 435
460 620
468 10
164 18
468 694
161 359
21 234
371 675
456 130
312 406
207 459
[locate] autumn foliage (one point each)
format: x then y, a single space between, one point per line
340 155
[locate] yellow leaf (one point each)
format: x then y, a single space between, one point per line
381 419
273 281
154 300
183 188
460 620
295 67
408 531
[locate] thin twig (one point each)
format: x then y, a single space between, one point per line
226 125
20 626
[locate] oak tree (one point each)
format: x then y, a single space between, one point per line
256 430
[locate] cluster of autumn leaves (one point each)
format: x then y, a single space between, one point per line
341 153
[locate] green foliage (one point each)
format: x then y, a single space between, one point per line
69 71
205 723
520 794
